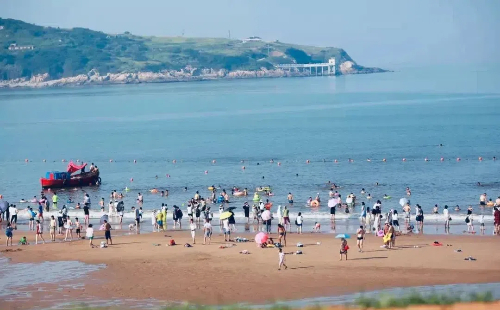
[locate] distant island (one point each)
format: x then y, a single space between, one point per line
36 56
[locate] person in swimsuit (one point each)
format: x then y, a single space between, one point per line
69 228
435 210
78 228
360 238
9 234
90 235
282 235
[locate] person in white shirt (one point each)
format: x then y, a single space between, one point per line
298 222
446 215
282 259
192 227
207 229
153 220
90 235
111 207
190 210
13 215
481 223
227 231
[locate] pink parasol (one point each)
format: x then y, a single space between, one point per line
261 238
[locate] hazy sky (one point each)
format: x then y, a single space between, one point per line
389 33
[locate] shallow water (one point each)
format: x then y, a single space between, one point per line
392 116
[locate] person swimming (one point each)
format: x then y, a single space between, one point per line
435 209
457 208
362 191
369 196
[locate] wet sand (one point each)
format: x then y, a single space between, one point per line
206 274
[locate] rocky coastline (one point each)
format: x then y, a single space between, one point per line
184 75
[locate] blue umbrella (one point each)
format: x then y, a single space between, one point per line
345 236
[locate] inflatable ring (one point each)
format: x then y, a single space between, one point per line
387 197
238 193
211 188
314 204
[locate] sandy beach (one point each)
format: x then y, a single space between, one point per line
206 274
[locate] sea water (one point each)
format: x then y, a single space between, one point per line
390 116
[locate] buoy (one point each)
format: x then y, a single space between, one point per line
480 158
63 160
243 167
131 179
110 160
426 159
404 159
174 161
458 158
77 160
336 161
384 160
168 175
214 161
44 161
442 159
26 160
279 164
135 161
307 161
206 171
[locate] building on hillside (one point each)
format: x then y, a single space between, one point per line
15 47
252 39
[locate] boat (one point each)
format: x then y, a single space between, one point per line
57 179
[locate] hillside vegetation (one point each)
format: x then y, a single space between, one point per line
69 52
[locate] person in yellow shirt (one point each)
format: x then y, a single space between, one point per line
159 220
55 199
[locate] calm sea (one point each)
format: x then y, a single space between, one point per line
398 115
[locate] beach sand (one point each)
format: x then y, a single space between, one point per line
206 274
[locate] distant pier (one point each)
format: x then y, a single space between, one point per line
326 68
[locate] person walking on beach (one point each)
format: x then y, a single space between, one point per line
362 218
246 209
86 213
78 228
69 229
9 234
55 199
90 235
52 228
376 224
39 232
360 238
481 224
281 256
470 226
420 219
192 227
343 248
31 215
207 231
107 233
298 222
40 211
226 230
447 218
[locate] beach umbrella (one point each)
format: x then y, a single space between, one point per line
266 215
230 208
4 205
332 203
261 238
403 201
104 218
226 215
345 236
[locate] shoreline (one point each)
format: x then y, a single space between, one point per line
93 78
205 274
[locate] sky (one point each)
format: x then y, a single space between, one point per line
384 33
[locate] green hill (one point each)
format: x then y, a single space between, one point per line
69 52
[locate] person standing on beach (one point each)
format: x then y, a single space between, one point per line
52 228
9 234
55 199
481 223
137 219
69 228
360 238
90 235
362 218
39 232
482 199
496 220
299 222
420 219
192 227
333 206
246 209
40 211
343 248
470 225
207 231
86 213
107 233
282 235
447 218
227 231
78 228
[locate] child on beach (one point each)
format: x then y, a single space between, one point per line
282 259
32 215
207 229
9 234
360 238
316 228
69 228
227 231
298 222
90 235
39 232
78 228
343 248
